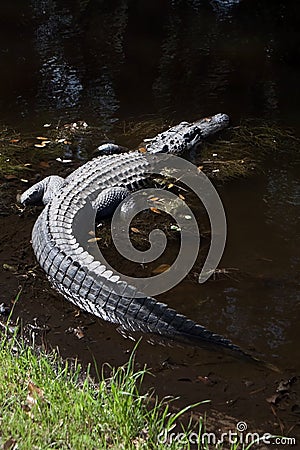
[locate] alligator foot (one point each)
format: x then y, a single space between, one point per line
42 192
108 200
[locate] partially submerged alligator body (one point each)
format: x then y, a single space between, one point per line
103 183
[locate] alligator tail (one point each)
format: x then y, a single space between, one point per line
150 316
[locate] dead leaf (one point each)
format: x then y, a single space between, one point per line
155 210
142 150
181 196
160 269
10 444
14 141
206 380
9 267
26 408
153 199
170 185
94 239
199 168
135 230
41 138
44 164
10 177
39 145
34 390
274 399
79 332
92 233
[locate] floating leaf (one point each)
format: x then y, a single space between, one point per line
79 332
64 161
39 145
160 269
10 177
175 228
155 210
94 239
206 380
135 230
9 267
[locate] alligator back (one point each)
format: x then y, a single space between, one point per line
83 279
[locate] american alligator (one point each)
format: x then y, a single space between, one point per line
102 184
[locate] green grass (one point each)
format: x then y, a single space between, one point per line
47 403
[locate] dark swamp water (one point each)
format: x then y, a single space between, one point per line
109 62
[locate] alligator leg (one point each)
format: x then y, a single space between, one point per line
108 200
42 192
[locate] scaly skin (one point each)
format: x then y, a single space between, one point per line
76 274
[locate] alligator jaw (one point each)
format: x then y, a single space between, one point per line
213 124
185 136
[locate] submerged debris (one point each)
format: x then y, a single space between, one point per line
243 150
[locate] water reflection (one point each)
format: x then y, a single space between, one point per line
60 86
282 199
224 8
104 47
80 54
100 61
